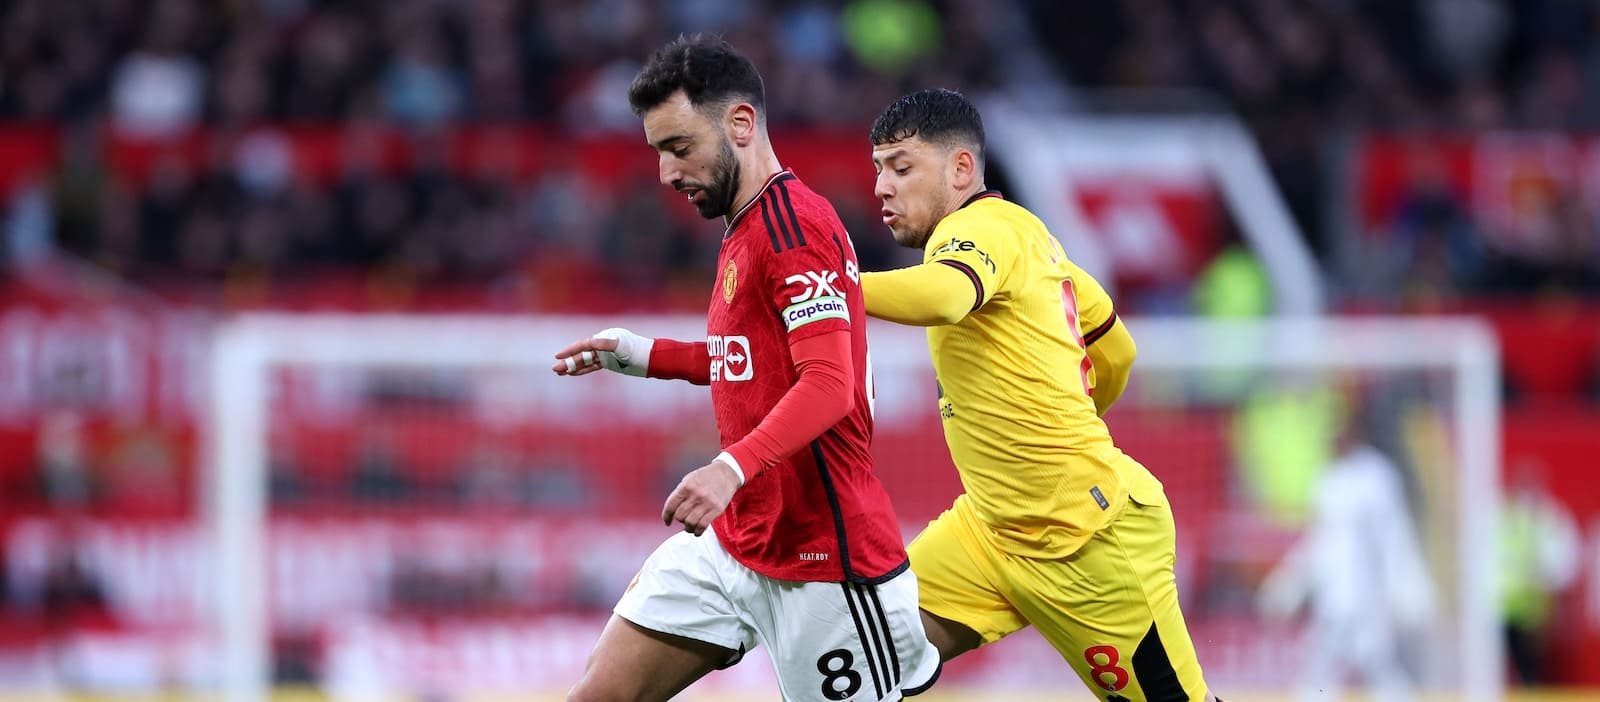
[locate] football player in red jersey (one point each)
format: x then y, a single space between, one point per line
788 538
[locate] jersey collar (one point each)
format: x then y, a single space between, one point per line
734 220
981 195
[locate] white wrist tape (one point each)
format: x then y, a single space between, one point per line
632 356
727 458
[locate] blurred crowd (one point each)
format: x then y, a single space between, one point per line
164 66
421 69
1307 75
1302 74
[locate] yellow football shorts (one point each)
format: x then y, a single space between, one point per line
1111 608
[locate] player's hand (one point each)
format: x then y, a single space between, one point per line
615 349
700 497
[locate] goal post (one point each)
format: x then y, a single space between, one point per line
245 351
494 363
1468 351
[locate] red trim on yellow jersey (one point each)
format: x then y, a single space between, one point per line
977 283
981 194
1101 330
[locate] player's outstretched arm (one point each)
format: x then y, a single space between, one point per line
1112 354
924 295
622 351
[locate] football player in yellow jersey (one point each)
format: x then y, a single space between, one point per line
1057 527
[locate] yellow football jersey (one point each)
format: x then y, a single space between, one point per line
1038 464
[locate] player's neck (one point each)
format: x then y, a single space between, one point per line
753 176
962 197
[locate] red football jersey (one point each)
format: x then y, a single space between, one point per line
787 271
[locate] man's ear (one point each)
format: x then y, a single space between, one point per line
741 123
966 168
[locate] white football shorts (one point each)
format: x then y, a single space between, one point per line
828 641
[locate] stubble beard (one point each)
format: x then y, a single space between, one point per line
912 239
918 238
724 184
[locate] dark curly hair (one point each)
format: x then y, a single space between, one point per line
710 72
938 116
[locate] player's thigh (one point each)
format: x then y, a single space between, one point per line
1111 610
956 576
630 662
682 619
837 641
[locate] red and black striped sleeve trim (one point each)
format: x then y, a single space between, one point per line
772 232
777 212
1101 330
781 185
977 283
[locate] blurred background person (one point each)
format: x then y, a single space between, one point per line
1539 553
1359 572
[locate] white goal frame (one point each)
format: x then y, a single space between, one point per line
247 349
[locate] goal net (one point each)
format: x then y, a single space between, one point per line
418 506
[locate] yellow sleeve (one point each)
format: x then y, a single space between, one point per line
924 295
1110 346
1095 310
982 253
1112 356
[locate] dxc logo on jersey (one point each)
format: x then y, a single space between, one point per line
730 357
816 285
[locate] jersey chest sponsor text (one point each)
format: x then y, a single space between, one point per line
962 245
730 357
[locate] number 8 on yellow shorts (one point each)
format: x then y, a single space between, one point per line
1110 609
